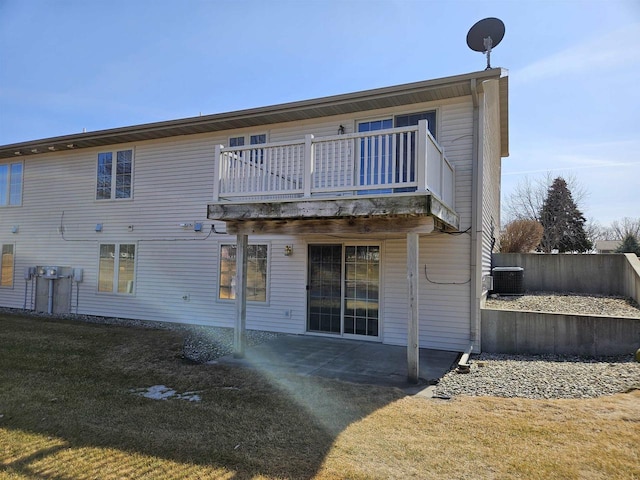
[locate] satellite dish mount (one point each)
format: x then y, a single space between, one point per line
485 35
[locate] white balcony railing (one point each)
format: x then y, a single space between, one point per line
374 163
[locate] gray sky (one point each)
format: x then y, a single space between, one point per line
574 68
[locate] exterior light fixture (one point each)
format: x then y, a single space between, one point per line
288 250
15 229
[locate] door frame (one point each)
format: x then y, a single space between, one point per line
348 243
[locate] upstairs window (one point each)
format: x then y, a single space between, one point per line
255 155
414 118
236 142
10 184
114 180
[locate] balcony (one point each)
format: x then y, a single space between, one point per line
395 172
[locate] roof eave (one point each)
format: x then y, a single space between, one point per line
429 90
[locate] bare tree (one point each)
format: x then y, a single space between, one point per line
525 202
595 231
621 229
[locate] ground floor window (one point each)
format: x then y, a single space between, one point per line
257 270
116 272
6 266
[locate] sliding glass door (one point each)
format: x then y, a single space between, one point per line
343 290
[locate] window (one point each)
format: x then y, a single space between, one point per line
258 139
10 184
409 173
116 272
236 142
414 118
114 182
255 155
375 167
257 263
378 161
6 266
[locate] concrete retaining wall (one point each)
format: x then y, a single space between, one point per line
632 277
508 331
605 274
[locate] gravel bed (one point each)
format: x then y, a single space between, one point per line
549 376
201 343
204 344
542 377
572 303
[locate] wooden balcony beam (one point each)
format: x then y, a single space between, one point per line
380 226
360 206
401 208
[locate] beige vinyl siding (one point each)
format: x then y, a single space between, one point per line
328 127
444 306
172 184
395 312
445 294
456 137
491 172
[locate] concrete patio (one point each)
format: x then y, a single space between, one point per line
346 360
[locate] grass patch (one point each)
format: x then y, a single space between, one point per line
67 412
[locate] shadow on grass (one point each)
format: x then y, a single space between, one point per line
71 382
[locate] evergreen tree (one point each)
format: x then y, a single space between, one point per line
563 223
629 245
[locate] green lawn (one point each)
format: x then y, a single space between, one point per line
67 412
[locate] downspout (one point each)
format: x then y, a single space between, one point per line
476 209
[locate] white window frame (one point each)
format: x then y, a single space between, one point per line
6 202
251 150
116 269
13 264
246 139
114 174
381 244
435 125
264 302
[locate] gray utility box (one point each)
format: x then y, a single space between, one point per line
62 288
508 280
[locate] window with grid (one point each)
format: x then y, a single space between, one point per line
10 184
116 271
256 155
114 175
257 272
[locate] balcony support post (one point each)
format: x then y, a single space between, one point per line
421 156
240 330
413 341
308 165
